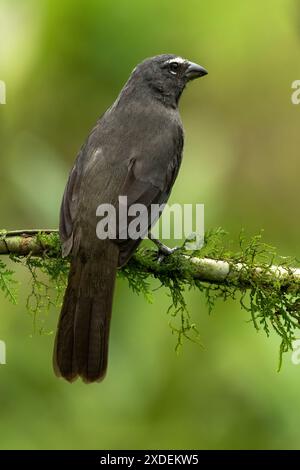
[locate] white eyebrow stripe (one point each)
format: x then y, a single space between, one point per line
178 60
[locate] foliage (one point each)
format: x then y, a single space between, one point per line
48 279
273 302
8 283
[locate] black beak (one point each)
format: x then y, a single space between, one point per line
195 71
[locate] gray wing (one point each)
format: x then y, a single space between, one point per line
68 211
145 172
141 187
70 201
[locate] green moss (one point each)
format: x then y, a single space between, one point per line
49 274
273 304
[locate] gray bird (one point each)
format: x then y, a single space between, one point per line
134 150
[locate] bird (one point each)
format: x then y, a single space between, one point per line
134 150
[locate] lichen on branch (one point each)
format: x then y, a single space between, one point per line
267 286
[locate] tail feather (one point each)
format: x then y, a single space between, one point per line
81 345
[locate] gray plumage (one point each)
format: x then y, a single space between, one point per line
134 150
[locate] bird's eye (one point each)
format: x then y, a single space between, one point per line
174 67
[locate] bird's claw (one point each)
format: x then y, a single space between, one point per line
164 251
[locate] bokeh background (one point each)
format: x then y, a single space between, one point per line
64 63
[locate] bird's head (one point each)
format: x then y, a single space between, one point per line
167 75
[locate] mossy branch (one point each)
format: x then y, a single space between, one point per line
267 286
217 271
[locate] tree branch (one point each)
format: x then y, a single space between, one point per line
273 287
216 271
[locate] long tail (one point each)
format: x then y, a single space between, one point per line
81 345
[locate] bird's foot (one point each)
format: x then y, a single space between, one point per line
163 250
166 252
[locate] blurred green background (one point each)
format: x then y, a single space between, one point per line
64 63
